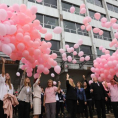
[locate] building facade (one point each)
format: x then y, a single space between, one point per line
52 13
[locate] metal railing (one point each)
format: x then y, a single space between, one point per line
76 12
44 3
102 37
93 2
77 32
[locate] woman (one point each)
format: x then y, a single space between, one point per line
88 98
5 87
50 99
61 101
71 97
81 97
113 89
25 99
37 98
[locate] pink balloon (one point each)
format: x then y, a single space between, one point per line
89 19
82 59
57 69
74 61
90 82
52 75
6 49
81 53
113 20
57 30
3 13
72 9
25 53
66 46
87 58
6 40
108 24
46 71
40 68
16 7
96 30
37 52
74 53
115 26
104 20
61 50
64 55
85 20
101 32
97 16
80 42
64 59
3 30
33 10
82 11
69 58
12 46
54 83
88 28
19 36
76 46
116 35
21 46
43 30
83 27
18 74
48 36
54 56
82 6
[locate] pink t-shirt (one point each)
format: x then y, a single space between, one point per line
113 89
50 94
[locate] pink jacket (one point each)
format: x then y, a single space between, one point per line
8 101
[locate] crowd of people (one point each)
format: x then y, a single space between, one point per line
78 100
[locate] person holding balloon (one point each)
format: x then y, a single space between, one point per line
71 96
50 99
37 97
25 99
5 87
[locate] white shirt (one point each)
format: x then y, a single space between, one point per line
4 89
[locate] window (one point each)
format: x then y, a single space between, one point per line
49 3
66 7
47 21
111 52
39 17
69 27
99 52
52 3
106 36
74 28
50 22
93 12
112 8
96 2
86 49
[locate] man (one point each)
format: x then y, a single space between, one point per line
99 96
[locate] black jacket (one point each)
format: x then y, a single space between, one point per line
71 91
98 91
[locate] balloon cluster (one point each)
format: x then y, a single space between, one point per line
72 50
20 38
105 67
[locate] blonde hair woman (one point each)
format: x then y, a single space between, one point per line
71 96
25 99
37 97
5 87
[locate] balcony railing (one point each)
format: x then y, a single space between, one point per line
77 32
102 37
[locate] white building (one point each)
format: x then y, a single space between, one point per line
53 13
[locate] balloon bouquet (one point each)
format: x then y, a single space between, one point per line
20 39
